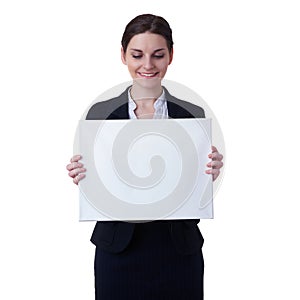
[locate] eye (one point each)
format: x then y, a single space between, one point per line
136 56
158 56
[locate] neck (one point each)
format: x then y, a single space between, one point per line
147 90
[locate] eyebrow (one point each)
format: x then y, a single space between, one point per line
138 50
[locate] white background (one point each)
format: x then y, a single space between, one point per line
241 57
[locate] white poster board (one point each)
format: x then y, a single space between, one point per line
146 169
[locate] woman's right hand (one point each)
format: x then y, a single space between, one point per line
76 169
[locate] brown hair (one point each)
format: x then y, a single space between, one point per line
147 23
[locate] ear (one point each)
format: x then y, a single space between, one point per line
171 56
123 56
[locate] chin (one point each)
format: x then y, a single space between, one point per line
148 83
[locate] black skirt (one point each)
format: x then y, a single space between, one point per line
149 268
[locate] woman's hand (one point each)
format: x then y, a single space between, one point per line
215 164
76 169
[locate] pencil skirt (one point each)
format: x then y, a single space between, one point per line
149 268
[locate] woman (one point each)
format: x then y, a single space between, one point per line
158 259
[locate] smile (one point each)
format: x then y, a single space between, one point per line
148 75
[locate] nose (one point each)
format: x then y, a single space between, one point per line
148 63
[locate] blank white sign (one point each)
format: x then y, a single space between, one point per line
146 169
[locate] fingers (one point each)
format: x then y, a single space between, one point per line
77 178
215 155
214 172
75 158
215 169
214 149
74 165
76 169
215 164
76 172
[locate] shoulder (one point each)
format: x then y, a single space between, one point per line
103 110
185 108
99 110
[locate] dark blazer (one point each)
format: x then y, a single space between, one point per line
114 236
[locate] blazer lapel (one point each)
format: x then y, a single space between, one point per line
175 109
121 111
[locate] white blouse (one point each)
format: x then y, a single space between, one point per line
160 106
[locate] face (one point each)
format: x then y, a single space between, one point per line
147 56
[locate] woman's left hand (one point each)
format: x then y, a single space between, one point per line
215 164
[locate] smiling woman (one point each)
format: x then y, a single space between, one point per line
147 56
158 259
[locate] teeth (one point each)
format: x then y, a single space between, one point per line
147 75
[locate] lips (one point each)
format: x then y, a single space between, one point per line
147 75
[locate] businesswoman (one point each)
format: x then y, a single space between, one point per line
161 259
